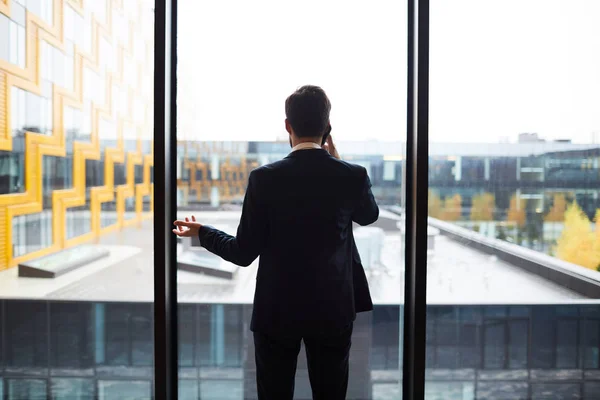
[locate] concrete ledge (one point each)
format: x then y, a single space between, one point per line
203 262
570 276
62 262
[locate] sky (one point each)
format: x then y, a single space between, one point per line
497 68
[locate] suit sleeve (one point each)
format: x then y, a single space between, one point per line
248 243
366 211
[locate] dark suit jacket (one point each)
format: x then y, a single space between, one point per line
297 215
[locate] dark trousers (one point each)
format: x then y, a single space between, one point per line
327 357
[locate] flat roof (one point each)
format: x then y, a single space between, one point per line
440 149
456 274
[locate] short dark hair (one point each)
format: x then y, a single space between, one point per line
307 110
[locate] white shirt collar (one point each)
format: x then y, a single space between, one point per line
305 145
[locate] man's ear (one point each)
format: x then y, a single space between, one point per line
288 127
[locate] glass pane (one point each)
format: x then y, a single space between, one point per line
76 238
34 389
237 64
514 195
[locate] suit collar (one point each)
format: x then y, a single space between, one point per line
316 152
305 146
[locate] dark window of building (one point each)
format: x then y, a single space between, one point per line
591 390
94 173
473 169
119 174
441 170
30 389
503 170
470 337
188 389
128 333
27 333
187 334
385 341
71 335
12 172
518 331
543 337
430 337
203 350
508 390
57 175
591 343
142 344
2 323
139 174
567 332
447 338
71 388
494 339
125 389
551 391
234 335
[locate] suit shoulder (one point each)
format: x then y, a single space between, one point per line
265 171
354 169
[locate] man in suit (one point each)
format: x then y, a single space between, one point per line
297 216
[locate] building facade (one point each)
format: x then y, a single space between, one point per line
84 350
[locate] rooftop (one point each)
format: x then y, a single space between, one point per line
438 149
457 274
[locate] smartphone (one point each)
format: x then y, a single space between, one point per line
326 135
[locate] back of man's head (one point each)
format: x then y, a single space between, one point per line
307 111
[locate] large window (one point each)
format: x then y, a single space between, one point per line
513 239
235 70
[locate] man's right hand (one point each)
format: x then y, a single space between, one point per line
187 228
330 147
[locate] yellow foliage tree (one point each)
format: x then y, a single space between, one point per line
577 243
452 208
434 205
557 212
597 242
597 219
517 214
482 208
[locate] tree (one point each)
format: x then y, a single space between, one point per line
452 210
597 220
597 241
577 243
483 206
557 212
500 233
517 214
434 205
